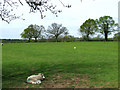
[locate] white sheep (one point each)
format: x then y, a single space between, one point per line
74 47
1 44
35 79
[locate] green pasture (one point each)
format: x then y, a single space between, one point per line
90 65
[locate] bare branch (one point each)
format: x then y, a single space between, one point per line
20 2
35 5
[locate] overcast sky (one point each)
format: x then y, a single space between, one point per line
71 18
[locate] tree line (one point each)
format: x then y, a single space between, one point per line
104 25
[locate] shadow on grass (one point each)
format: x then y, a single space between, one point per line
91 69
50 69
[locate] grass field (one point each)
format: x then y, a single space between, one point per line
90 65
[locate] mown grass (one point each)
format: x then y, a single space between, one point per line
92 64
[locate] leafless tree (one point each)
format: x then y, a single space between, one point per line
56 30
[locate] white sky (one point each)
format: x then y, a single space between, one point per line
71 18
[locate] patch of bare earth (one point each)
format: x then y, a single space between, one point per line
69 81
64 81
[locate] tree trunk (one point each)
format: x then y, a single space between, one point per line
29 40
56 37
87 37
106 36
35 39
106 32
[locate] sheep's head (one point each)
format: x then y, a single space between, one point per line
42 76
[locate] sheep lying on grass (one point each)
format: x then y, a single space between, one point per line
1 44
35 79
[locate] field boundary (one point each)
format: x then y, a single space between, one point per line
0 65
118 45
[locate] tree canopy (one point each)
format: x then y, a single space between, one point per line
88 28
56 30
38 31
28 33
33 31
106 25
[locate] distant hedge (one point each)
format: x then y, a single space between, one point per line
53 40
